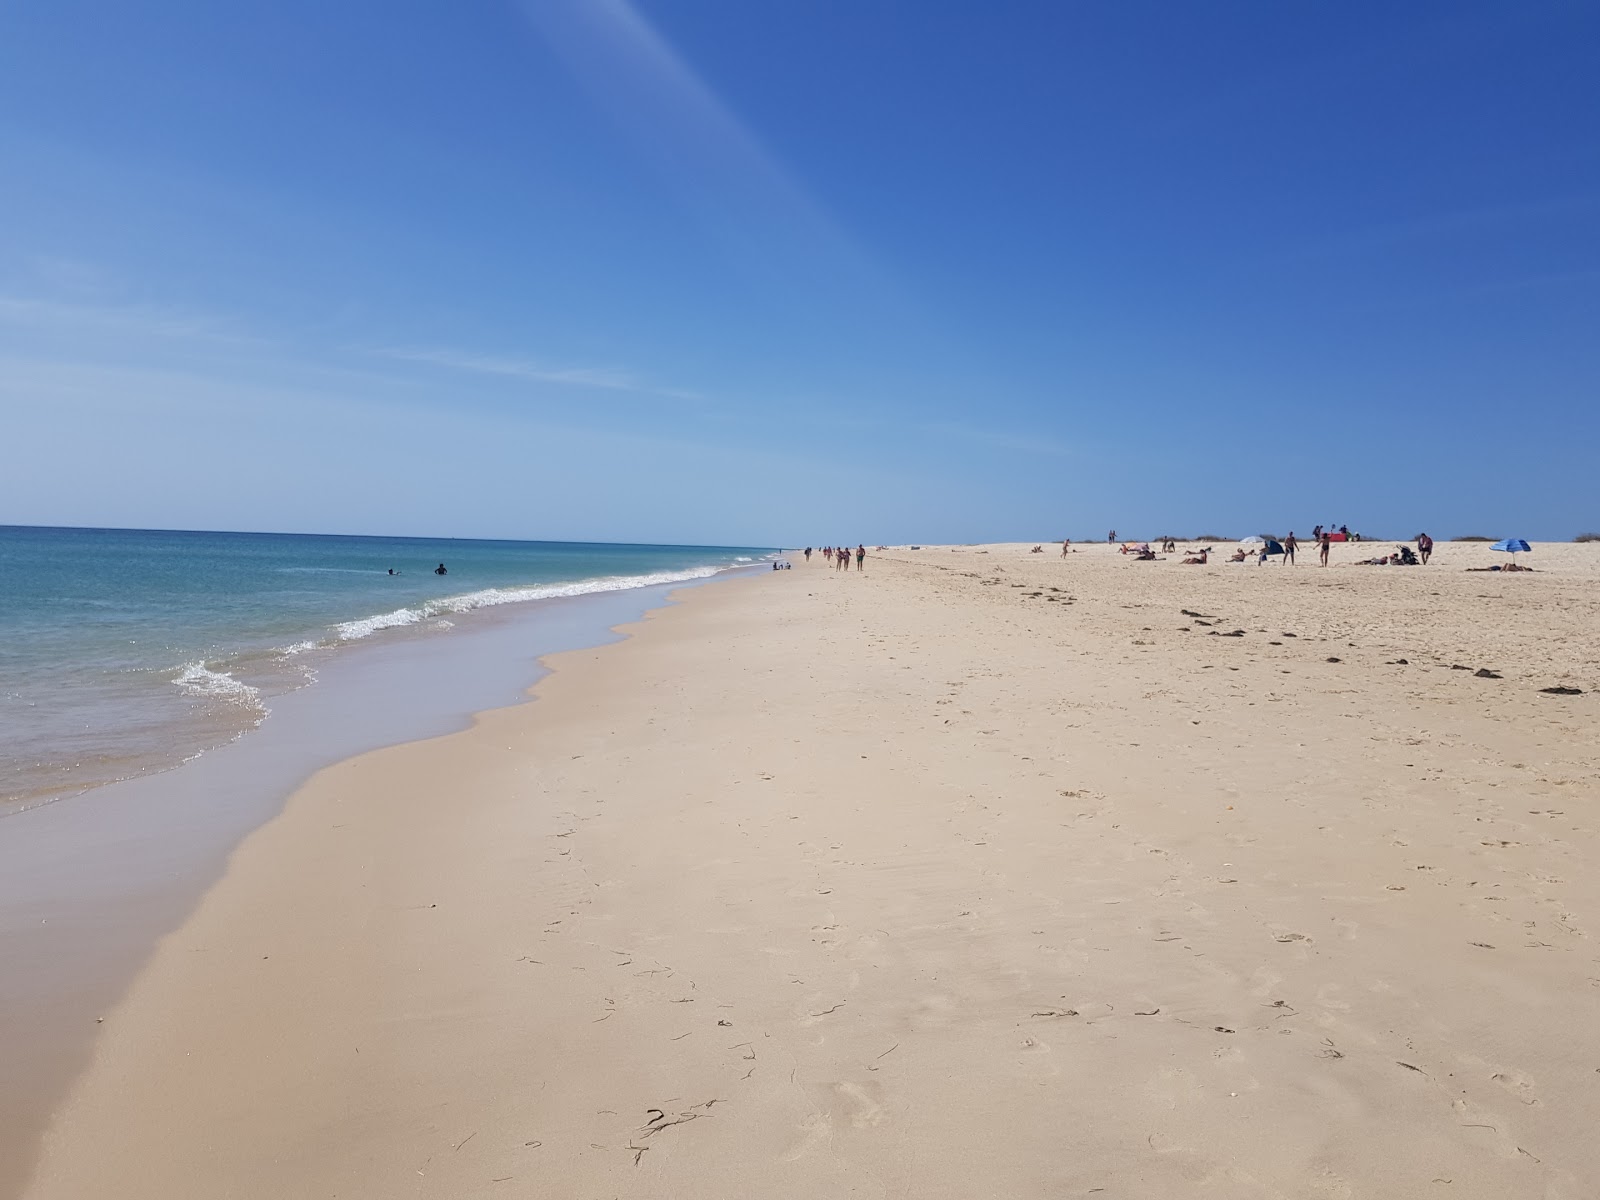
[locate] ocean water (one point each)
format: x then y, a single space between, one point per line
129 651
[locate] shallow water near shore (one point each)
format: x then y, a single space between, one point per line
89 883
126 651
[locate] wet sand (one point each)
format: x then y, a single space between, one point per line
980 873
90 883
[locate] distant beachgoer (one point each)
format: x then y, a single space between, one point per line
391 570
1066 547
1424 547
1316 533
1112 536
1289 543
841 558
440 570
808 553
827 553
1196 560
1324 546
861 556
1240 555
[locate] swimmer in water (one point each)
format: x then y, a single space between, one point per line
440 570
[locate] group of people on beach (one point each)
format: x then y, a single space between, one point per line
1271 547
838 557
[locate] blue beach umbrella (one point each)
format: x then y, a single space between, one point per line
1511 546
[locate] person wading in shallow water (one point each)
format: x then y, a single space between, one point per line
440 570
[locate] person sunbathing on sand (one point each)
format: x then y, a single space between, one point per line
1239 555
1197 560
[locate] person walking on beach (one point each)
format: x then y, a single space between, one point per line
808 554
861 556
1066 547
1424 547
1112 536
1325 544
1289 543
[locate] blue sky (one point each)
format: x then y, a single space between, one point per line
790 271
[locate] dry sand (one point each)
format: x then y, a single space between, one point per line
981 874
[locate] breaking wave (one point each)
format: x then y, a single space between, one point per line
197 679
490 597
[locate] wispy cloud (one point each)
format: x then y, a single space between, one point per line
1000 439
744 195
132 320
615 379
1452 223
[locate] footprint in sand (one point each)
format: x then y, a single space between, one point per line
1174 1086
1328 997
857 1103
813 1132
1518 1084
1327 1183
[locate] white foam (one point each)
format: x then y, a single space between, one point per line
199 680
490 597
493 597
367 626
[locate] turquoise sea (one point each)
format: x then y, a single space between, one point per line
125 651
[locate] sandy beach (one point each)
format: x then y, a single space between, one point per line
978 873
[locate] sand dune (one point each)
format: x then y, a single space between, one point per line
982 873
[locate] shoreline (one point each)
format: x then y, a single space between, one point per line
130 713
90 882
966 872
